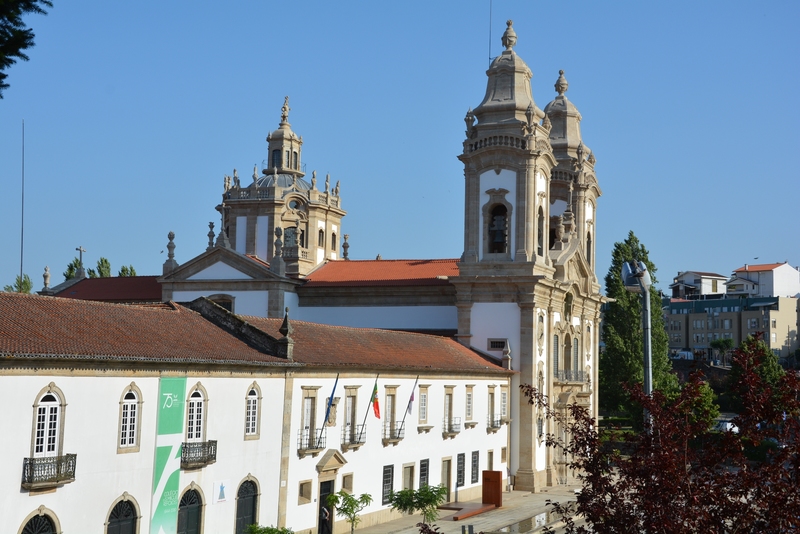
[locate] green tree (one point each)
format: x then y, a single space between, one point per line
127 270
425 500
622 360
21 285
724 346
72 269
256 529
348 506
103 269
14 35
754 355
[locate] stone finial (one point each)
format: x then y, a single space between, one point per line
580 153
336 189
469 120
170 265
546 124
255 175
278 242
345 246
46 277
286 343
285 111
222 236
328 182
236 183
227 181
286 329
210 236
561 84
591 159
509 36
313 180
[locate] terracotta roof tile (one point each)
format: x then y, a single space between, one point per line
756 268
319 344
383 273
258 260
115 289
52 326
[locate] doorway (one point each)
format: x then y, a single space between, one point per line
446 474
325 511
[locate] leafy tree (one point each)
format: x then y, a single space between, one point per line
21 285
14 35
256 529
348 506
425 500
103 269
756 356
127 270
683 476
724 346
72 269
621 362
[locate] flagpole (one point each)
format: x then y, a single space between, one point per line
410 399
369 405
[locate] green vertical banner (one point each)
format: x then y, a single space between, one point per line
167 470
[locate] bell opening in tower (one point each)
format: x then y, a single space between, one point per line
498 230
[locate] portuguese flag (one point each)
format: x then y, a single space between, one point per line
375 406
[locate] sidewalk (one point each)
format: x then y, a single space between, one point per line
518 507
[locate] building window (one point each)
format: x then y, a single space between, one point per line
496 344
129 415
388 484
503 455
196 415
423 404
540 233
252 412
503 403
276 158
304 492
475 467
460 468
246 506
347 482
498 230
294 161
408 477
352 432
39 524
48 431
555 355
568 307
190 513
490 460
309 437
333 241
122 519
469 403
575 355
423 472
391 429
321 238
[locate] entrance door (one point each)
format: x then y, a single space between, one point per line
189 513
246 501
446 474
325 511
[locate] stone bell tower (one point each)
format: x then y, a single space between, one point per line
309 220
525 289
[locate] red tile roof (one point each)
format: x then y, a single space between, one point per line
323 345
258 260
31 325
115 289
383 273
762 267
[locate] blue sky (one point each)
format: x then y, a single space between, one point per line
134 112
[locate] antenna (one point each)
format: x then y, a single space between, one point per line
22 225
490 30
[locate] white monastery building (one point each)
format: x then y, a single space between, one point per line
173 422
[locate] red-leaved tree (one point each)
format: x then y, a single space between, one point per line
684 476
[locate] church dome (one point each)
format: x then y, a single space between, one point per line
282 180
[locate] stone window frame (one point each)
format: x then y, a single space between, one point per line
413 467
255 434
347 482
304 489
125 497
42 511
496 197
387 474
309 392
50 389
505 412
137 430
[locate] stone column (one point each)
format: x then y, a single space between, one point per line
525 477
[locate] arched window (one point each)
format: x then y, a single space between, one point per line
122 519
195 416
294 161
333 241
321 238
498 230
246 506
288 159
39 524
49 415
129 415
568 307
190 513
555 355
276 158
540 233
252 412
589 248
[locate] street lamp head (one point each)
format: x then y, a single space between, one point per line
635 276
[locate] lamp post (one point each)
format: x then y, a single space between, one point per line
637 280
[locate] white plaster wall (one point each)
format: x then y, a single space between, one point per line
220 271
91 430
589 211
786 281
433 317
245 302
241 234
505 180
262 236
366 464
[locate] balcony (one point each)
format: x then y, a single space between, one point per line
353 437
493 423
195 454
451 427
39 473
393 432
568 375
311 441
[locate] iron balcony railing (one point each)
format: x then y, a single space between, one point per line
451 425
50 471
309 439
394 430
567 375
494 421
354 435
198 453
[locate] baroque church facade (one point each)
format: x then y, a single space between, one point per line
524 290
